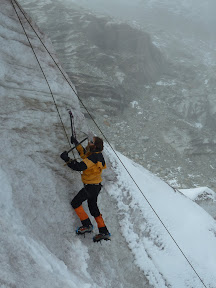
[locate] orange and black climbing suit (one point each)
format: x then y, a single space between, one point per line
91 166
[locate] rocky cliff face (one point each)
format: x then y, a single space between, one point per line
104 58
155 99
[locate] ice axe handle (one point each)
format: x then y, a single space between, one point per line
77 145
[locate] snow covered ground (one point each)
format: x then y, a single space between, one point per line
38 245
148 239
199 193
204 197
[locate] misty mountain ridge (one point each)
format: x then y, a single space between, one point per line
163 88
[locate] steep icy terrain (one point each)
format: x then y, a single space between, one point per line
168 124
38 246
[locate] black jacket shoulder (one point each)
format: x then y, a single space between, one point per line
97 157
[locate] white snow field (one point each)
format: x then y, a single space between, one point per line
38 245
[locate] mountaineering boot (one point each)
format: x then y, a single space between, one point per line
102 236
84 229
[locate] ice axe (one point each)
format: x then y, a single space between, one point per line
74 148
77 144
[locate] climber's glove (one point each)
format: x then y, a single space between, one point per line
74 140
64 156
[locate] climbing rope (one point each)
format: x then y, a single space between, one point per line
41 69
100 132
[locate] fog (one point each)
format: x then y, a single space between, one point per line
146 72
193 17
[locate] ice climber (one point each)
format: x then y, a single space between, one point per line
91 166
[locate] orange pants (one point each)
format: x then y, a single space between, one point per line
84 217
90 193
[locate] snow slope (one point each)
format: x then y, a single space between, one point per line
199 193
154 250
38 245
203 196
